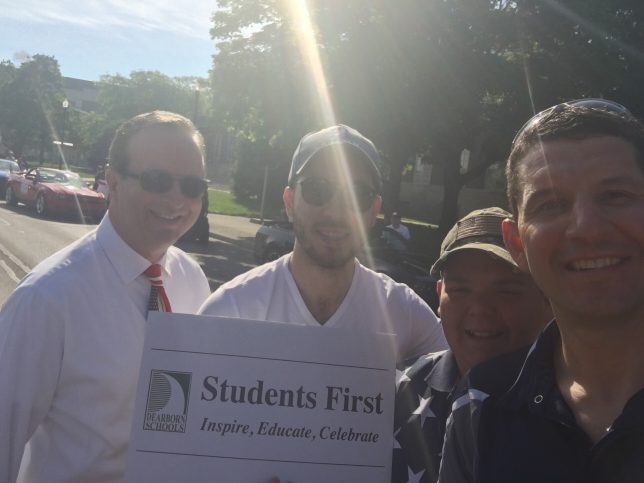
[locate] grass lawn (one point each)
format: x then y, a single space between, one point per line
224 203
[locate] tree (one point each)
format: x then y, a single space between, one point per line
429 77
143 91
30 100
121 98
391 70
426 76
579 49
259 89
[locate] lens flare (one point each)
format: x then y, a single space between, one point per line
300 19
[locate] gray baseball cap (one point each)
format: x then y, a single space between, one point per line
478 230
314 142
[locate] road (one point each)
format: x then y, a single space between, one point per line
26 239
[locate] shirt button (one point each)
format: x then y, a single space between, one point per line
538 398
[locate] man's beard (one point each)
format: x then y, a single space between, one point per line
322 257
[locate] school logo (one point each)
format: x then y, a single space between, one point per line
167 405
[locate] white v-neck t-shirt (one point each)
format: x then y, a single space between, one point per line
374 303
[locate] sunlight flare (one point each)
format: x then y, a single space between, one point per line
302 25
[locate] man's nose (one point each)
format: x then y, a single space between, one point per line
174 193
481 303
344 199
586 219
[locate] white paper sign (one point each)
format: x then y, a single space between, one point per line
229 400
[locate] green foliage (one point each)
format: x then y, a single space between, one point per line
428 77
30 103
96 132
122 97
143 91
32 116
405 74
254 158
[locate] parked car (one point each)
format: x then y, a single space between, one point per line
200 230
53 191
274 239
7 166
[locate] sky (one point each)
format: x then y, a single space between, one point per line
90 38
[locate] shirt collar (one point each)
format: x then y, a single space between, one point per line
127 262
536 386
444 374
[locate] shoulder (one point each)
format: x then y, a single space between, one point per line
46 293
386 286
512 376
475 412
400 301
493 378
418 368
178 259
421 409
79 259
251 287
256 277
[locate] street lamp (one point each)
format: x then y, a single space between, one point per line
63 143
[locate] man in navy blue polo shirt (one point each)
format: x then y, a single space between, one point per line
571 409
487 307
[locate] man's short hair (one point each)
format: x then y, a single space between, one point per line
118 156
576 120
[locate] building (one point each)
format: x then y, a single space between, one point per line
421 190
81 94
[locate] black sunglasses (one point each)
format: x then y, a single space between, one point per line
319 191
590 103
159 181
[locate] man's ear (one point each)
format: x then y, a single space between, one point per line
112 178
375 209
514 244
288 196
439 291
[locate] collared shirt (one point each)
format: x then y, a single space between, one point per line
423 404
374 303
511 423
71 339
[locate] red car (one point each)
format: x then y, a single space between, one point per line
52 191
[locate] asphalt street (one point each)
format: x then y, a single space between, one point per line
26 239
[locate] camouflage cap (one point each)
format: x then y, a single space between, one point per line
478 230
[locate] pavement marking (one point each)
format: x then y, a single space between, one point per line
22 266
5 222
11 273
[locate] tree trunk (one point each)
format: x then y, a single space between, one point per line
452 184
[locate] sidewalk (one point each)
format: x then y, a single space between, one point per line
233 227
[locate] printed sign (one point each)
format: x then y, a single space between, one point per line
167 405
231 400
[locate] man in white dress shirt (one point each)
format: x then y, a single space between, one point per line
71 334
332 198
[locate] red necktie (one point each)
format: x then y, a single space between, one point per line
158 298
